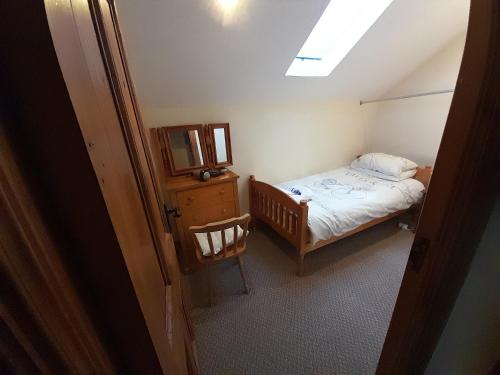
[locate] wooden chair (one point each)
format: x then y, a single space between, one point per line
215 242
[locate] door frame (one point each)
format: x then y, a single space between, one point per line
458 203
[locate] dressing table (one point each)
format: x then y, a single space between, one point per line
185 151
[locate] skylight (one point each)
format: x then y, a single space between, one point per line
340 27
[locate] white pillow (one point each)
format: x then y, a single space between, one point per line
401 177
387 164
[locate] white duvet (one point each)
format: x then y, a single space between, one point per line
343 199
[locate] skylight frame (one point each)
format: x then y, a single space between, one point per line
340 27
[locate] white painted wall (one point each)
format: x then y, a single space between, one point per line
280 142
413 127
185 83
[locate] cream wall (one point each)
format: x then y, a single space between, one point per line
280 142
285 141
413 127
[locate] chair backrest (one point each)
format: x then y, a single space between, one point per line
236 227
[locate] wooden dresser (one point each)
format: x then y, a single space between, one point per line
199 203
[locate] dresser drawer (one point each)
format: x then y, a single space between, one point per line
205 196
214 212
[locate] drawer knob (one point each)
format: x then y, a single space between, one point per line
221 191
224 210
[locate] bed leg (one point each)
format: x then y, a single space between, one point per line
302 235
300 265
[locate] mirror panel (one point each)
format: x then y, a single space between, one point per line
221 141
186 148
220 146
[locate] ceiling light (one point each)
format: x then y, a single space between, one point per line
340 27
227 12
227 5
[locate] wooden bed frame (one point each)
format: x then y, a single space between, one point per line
289 218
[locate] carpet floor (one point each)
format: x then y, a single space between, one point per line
331 321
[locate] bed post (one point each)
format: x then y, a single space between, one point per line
251 202
302 228
424 175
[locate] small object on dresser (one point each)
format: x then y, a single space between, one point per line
216 172
202 175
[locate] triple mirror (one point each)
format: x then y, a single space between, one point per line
192 147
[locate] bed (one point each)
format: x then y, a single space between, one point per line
318 210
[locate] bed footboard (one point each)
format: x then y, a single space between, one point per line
275 208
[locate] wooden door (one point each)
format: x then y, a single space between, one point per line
87 43
121 84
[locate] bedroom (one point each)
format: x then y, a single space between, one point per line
283 128
238 186
195 62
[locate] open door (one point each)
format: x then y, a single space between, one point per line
458 203
88 46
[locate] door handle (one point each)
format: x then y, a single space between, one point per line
176 212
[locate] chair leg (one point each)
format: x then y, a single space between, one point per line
242 271
300 265
209 285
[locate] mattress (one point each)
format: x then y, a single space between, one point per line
343 199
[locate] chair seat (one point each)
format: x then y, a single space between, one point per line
231 251
217 240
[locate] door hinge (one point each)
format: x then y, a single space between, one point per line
418 252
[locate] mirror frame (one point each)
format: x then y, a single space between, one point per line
213 147
166 133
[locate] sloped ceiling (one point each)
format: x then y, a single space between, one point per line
181 54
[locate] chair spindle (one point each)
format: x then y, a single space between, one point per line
210 244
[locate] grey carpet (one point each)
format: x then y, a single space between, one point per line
331 321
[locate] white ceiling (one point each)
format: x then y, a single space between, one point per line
182 55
